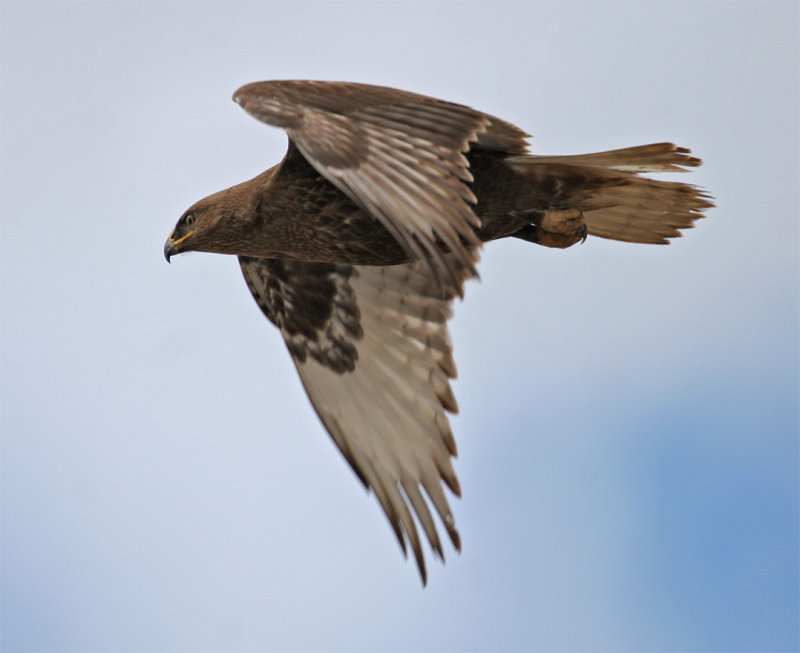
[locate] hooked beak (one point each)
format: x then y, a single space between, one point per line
173 245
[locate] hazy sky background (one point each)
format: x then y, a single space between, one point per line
628 432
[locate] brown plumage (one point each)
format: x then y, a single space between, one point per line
356 243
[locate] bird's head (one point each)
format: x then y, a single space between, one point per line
180 240
207 226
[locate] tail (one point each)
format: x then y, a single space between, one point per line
616 202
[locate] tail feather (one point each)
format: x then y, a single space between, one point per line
657 157
616 202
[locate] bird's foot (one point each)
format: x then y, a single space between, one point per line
558 227
567 221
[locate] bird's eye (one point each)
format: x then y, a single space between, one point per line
188 220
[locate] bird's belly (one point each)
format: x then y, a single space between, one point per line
360 239
315 221
347 235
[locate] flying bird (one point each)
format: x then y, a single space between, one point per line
356 244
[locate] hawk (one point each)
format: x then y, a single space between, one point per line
356 244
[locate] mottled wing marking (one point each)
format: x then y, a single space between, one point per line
388 412
398 155
312 304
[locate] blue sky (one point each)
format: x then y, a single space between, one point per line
628 436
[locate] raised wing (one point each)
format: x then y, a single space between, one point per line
373 350
398 155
